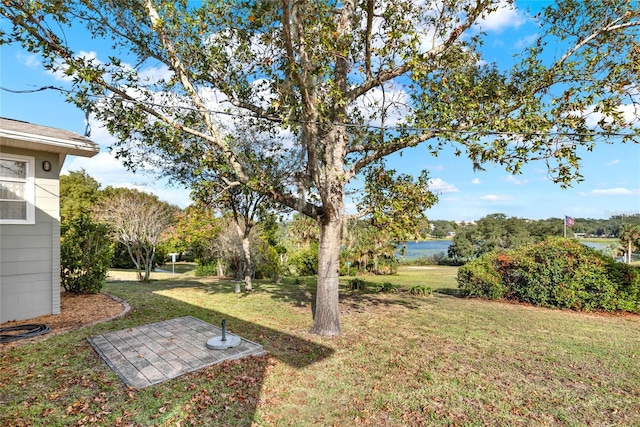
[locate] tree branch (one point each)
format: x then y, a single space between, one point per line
430 55
613 26
178 66
387 149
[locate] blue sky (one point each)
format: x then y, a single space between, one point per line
611 172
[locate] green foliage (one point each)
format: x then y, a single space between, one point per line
79 193
122 259
420 290
368 248
491 232
347 270
438 229
397 203
85 255
314 69
386 287
629 240
302 231
206 270
305 261
479 278
267 262
554 273
357 284
195 230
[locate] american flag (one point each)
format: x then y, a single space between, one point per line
569 221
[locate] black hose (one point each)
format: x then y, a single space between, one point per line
30 331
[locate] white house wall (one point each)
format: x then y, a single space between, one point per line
30 253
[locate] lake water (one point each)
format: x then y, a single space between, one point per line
424 248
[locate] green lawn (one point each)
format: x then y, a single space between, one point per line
402 360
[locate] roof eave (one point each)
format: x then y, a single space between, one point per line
78 147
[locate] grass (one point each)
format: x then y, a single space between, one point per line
401 360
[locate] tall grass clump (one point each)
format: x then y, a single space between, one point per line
420 290
557 272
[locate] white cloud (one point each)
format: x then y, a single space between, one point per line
513 180
617 191
613 162
497 197
395 100
475 181
30 61
155 74
505 16
441 186
526 41
109 171
629 113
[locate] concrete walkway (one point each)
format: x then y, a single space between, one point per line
153 353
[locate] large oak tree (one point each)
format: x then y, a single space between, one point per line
324 70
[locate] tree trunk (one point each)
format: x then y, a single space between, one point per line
326 320
137 261
148 255
219 268
246 249
246 254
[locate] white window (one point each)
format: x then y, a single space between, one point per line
17 190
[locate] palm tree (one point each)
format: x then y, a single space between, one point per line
630 239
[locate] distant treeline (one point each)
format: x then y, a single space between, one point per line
583 227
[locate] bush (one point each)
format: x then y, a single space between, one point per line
387 287
305 262
85 255
386 266
480 278
357 284
267 262
557 272
122 259
420 290
206 270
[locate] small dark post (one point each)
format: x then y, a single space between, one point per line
224 330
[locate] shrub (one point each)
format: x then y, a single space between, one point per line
557 272
385 266
420 290
305 261
206 270
122 259
357 284
480 278
347 271
85 255
387 287
267 263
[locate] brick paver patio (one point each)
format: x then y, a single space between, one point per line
157 352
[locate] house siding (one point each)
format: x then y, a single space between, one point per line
30 253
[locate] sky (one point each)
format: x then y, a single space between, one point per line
611 184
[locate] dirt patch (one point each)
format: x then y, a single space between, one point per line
76 310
